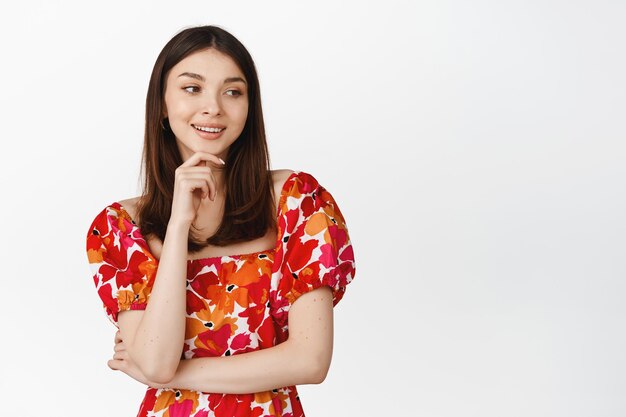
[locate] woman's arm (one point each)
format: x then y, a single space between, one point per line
154 338
302 359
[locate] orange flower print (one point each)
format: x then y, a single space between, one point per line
234 304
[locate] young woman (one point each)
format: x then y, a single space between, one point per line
222 275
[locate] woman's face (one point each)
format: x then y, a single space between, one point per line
206 102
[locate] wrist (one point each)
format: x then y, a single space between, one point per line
178 226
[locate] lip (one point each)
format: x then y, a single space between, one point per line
208 135
209 125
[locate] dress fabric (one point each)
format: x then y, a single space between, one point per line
235 304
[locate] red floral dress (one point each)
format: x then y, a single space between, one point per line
236 303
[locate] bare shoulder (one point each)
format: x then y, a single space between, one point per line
155 245
280 176
130 205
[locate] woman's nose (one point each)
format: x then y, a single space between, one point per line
212 105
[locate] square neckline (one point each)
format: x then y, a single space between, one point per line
213 258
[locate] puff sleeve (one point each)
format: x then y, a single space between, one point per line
122 267
314 248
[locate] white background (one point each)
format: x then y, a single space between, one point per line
476 149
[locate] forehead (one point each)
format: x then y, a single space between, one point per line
210 63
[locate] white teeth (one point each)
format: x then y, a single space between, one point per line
209 129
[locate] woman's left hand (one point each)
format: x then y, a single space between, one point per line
122 362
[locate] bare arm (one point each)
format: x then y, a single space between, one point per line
303 359
154 338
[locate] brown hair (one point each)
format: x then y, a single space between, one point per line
249 202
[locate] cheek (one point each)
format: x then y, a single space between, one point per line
175 113
176 106
178 121
242 113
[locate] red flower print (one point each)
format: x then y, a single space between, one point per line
215 343
240 341
148 402
234 304
182 409
255 315
301 254
194 303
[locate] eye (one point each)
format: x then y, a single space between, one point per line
233 92
187 89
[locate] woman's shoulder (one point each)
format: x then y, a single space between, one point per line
280 177
115 215
118 217
129 205
113 230
278 174
120 209
295 182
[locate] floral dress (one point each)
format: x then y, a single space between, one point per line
235 303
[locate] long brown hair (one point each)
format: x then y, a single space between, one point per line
249 202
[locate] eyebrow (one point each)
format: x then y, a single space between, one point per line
201 78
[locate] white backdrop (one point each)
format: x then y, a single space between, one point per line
475 148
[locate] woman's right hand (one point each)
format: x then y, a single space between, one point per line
193 181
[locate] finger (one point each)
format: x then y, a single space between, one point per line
200 172
115 365
211 184
200 168
121 355
214 182
206 187
197 157
205 174
201 181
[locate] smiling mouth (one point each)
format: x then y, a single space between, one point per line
209 129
